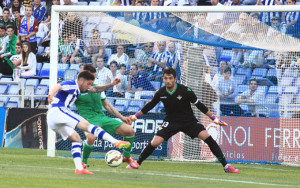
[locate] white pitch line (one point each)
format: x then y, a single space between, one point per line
156 174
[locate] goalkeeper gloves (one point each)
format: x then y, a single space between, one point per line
134 117
218 121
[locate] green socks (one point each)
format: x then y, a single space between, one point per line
127 151
87 149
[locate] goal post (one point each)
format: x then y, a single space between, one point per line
248 138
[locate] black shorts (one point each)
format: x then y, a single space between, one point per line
191 128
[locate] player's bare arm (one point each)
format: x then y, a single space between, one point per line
115 112
53 91
98 89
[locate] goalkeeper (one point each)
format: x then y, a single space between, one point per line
177 100
89 106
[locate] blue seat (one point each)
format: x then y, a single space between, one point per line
13 90
274 90
261 72
61 68
155 84
291 90
239 79
290 73
133 109
13 102
272 72
41 90
244 71
263 89
242 88
119 107
70 74
6 79
45 70
84 3
272 98
137 103
3 101
32 82
94 4
286 81
38 68
74 66
3 88
120 102
44 82
111 101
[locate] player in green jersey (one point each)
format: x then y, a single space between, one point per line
89 106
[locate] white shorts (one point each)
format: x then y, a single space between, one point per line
63 121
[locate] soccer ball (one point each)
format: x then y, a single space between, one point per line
113 158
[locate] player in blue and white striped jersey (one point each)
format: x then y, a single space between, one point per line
64 121
292 22
267 16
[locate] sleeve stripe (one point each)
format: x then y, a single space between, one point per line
196 101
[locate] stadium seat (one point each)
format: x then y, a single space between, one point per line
45 70
239 79
61 69
84 3
13 90
120 102
155 84
133 109
38 68
41 90
259 72
291 90
272 98
275 90
136 103
13 102
29 90
32 82
286 81
272 72
290 73
94 3
263 89
6 79
3 101
244 71
242 88
70 74
44 82
144 94
3 89
74 66
119 107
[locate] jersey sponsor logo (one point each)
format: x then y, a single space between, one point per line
84 93
189 89
163 97
179 97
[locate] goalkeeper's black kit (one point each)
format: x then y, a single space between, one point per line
179 117
179 114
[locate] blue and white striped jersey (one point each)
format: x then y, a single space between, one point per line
67 96
291 16
267 16
160 57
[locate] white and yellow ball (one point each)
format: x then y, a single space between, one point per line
113 158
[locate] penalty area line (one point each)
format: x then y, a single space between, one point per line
155 174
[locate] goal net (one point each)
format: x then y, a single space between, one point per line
242 63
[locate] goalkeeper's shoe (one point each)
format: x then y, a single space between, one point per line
122 144
83 165
132 163
230 169
83 171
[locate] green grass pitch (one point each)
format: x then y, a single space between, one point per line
32 168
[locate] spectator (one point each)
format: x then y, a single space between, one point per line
275 28
227 90
137 82
267 16
96 46
213 18
128 18
69 2
253 58
184 28
17 18
253 95
39 11
2 36
6 3
171 27
28 64
66 50
9 43
219 75
237 28
143 64
29 34
174 60
155 20
120 57
7 21
73 24
159 60
237 57
291 21
7 65
119 90
104 75
80 50
16 5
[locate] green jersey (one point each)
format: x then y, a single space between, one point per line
90 104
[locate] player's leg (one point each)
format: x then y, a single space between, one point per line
101 134
216 150
127 132
76 153
148 150
88 146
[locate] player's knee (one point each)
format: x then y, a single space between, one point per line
131 132
91 137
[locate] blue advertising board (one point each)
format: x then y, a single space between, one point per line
2 121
